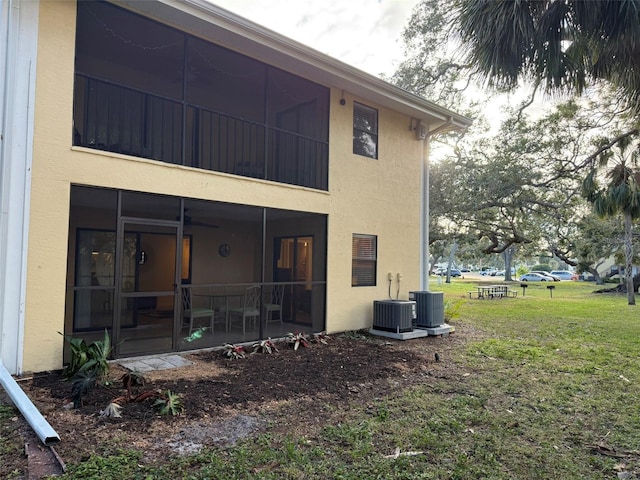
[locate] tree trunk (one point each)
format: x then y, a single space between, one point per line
628 258
432 263
622 287
596 276
508 258
452 255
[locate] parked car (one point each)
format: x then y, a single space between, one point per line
443 271
535 277
552 278
564 275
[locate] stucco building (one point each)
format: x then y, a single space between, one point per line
184 178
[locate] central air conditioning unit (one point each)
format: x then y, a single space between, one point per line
394 315
430 308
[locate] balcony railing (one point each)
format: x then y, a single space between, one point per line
122 120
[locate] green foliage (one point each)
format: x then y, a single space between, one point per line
597 239
559 48
510 350
452 309
115 465
620 166
544 267
169 403
89 364
531 390
81 383
11 443
92 358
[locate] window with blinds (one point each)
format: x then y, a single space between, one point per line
364 255
365 131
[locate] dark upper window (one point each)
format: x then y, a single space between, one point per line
364 258
365 131
148 90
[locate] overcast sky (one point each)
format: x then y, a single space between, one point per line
362 33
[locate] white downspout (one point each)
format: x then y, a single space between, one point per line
45 432
424 247
19 27
19 31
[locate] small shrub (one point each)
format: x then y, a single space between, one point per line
81 383
234 352
89 364
169 403
296 339
132 379
113 410
92 357
359 335
264 346
321 337
452 309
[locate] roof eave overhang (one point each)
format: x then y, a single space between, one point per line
232 31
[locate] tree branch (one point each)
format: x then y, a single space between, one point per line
607 146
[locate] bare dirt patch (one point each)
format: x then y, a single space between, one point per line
226 400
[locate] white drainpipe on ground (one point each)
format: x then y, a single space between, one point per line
34 418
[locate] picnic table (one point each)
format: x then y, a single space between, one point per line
493 291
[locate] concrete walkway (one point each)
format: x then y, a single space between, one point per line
154 363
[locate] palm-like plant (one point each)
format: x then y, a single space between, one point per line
619 195
560 44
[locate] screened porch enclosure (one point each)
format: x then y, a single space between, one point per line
148 90
171 274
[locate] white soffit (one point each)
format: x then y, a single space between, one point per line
211 22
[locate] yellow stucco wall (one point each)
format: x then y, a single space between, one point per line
379 197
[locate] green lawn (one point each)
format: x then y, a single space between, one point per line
549 390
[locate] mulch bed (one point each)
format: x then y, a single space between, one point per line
351 371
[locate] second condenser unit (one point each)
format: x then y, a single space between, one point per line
429 308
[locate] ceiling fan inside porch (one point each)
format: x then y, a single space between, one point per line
190 222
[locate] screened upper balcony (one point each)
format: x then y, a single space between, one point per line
151 91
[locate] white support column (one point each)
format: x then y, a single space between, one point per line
18 48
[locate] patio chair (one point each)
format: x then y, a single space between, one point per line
189 312
250 308
274 305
